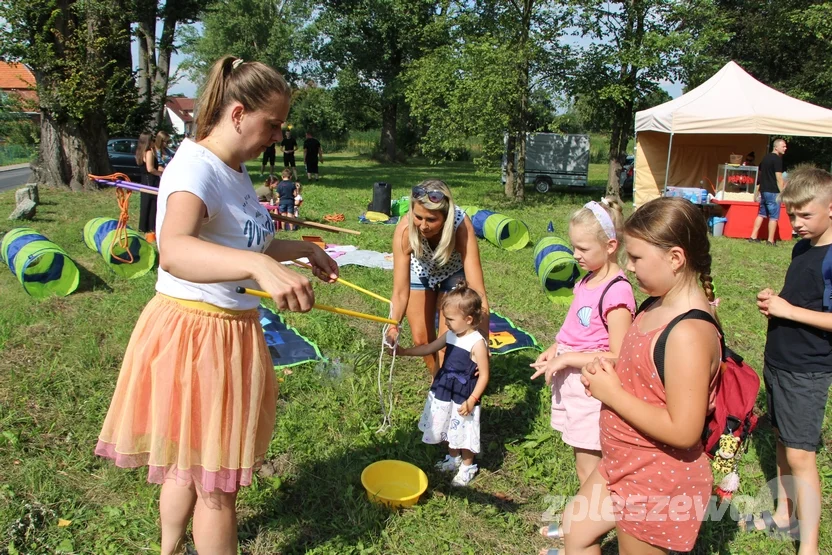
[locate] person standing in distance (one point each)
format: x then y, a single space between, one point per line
312 154
771 185
289 145
268 158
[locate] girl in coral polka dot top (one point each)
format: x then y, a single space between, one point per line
654 481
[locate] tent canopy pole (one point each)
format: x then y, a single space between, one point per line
667 167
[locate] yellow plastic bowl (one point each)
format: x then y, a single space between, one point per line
394 483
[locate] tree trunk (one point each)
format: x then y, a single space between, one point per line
69 152
146 33
162 78
620 137
388 129
143 74
614 175
522 136
520 181
511 167
624 112
614 157
520 120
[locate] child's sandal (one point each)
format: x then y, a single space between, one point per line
748 523
553 531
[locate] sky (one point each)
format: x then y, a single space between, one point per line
188 88
184 86
673 89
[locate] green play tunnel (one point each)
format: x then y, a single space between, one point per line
556 268
502 231
41 266
100 235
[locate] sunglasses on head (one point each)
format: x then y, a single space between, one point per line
433 195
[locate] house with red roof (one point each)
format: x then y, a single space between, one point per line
18 80
179 111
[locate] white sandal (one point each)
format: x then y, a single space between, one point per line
553 531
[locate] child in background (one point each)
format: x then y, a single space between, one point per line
162 152
798 361
598 319
298 199
265 192
452 410
286 191
654 473
151 171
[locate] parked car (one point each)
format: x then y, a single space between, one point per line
625 178
122 154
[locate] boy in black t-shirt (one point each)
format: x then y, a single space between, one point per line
289 145
312 153
798 360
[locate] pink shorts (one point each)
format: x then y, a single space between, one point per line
574 413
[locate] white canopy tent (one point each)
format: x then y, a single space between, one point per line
681 142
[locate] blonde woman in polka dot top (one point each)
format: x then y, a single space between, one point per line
653 473
434 248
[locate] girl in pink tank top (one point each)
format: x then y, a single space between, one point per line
654 482
601 312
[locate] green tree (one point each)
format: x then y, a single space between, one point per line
313 109
590 114
783 44
358 102
634 45
786 45
455 92
494 80
15 125
375 40
154 55
80 55
254 30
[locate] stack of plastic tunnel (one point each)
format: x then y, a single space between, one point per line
556 269
502 231
134 261
41 266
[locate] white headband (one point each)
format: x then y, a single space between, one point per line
236 63
603 218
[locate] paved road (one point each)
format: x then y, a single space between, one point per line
10 179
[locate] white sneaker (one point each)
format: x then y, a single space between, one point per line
465 475
449 463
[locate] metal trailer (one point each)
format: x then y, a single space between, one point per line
553 159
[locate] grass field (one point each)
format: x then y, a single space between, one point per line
59 359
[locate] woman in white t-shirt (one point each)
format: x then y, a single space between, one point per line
196 396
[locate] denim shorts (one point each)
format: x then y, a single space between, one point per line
769 206
421 284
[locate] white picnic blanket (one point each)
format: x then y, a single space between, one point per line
345 255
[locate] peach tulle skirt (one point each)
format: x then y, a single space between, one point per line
195 398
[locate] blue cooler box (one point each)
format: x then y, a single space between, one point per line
693 194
